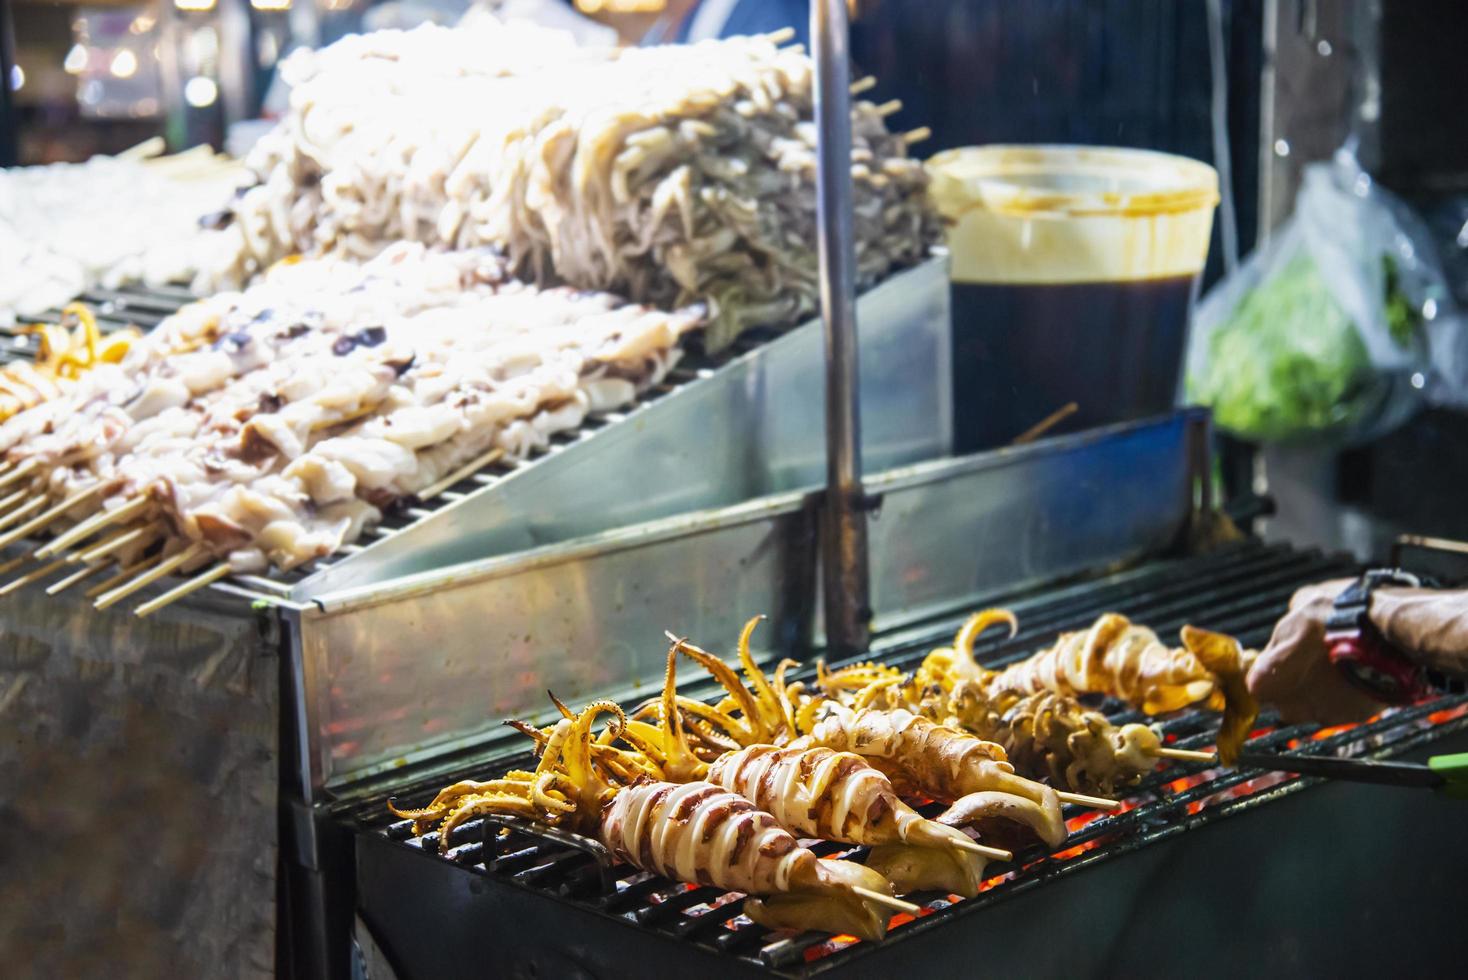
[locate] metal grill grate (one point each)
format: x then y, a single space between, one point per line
1242 592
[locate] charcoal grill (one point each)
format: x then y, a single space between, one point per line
1277 885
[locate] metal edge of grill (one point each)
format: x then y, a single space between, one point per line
1242 591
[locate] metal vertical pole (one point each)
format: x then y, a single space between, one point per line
9 114
844 528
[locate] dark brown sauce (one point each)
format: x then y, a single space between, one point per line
1022 351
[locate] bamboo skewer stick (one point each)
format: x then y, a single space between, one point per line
6 467
94 524
14 498
889 107
462 473
29 577
1094 802
887 900
1046 424
781 36
1187 755
121 592
916 135
87 571
37 523
23 511
117 541
180 591
124 572
19 473
13 564
993 853
864 84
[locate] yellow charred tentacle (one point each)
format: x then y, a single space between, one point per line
969 633
680 765
771 717
729 680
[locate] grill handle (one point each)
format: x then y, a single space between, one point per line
1448 773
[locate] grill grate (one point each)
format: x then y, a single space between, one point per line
1242 592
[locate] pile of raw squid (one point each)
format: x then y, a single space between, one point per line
273 426
668 174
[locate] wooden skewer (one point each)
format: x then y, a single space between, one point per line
19 473
781 36
13 564
916 135
124 572
6 466
1094 802
462 473
14 498
865 84
94 524
179 591
993 853
86 572
1046 424
114 596
29 577
36 523
887 108
887 900
117 541
1187 755
23 511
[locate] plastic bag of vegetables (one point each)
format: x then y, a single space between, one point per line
1323 335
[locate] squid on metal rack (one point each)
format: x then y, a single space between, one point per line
1046 733
62 356
1119 659
693 832
817 792
920 757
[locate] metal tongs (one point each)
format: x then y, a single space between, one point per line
1448 774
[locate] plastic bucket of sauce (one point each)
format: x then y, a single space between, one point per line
1075 269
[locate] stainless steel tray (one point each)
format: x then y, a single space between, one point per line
422 665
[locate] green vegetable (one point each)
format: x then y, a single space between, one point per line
1402 318
1287 363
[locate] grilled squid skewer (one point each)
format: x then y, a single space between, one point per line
839 796
1053 735
695 832
1119 659
920 758
944 764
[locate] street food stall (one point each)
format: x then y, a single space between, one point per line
601 511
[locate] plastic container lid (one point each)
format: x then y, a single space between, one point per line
1054 214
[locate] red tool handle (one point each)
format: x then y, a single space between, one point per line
1366 660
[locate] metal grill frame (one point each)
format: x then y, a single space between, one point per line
1255 581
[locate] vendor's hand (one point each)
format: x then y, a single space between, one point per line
1295 674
